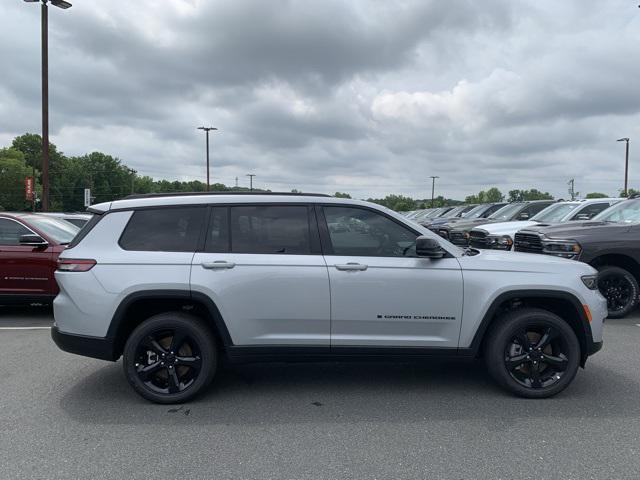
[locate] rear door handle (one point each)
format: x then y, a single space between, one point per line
351 266
218 264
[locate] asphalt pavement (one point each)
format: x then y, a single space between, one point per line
64 416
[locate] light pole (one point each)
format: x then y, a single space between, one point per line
44 31
626 163
251 175
433 187
207 129
133 177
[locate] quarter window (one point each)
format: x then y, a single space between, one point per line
362 232
164 230
11 231
270 229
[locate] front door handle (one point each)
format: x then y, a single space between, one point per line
218 264
351 266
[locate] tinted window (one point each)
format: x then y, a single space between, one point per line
360 232
218 232
590 211
164 229
270 229
11 231
534 208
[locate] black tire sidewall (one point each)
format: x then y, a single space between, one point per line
503 331
199 332
628 276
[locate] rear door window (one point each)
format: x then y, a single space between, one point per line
280 229
164 229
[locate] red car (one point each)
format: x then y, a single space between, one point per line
29 249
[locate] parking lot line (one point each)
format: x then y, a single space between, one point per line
25 328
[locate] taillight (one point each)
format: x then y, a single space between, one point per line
75 264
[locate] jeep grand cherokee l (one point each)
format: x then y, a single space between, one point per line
176 283
609 243
29 247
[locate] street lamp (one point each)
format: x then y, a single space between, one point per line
626 163
207 129
251 175
44 22
433 187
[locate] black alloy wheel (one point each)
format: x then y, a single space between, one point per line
620 288
170 357
536 356
532 352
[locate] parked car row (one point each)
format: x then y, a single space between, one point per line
603 232
30 244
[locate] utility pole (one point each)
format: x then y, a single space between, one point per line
571 190
626 164
433 188
236 182
44 27
251 175
207 130
133 177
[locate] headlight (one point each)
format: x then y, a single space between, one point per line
466 235
561 248
590 281
500 242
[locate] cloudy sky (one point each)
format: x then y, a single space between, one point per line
368 97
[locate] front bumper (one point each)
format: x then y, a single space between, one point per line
95 347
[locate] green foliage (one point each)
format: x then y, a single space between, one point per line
493 195
30 144
525 195
631 191
341 195
13 171
596 195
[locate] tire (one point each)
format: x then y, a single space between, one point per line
620 288
163 374
539 364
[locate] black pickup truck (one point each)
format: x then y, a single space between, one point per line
610 243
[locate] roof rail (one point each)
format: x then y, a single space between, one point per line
182 194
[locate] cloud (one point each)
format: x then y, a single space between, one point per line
369 97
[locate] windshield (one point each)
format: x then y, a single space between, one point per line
555 212
625 212
506 212
454 211
58 230
477 212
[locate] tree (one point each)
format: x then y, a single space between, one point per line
493 195
30 144
13 171
596 195
525 195
630 191
341 195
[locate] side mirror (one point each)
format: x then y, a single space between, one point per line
523 216
583 216
428 247
33 240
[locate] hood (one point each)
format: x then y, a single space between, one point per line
496 260
469 224
506 228
576 230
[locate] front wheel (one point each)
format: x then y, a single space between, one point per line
170 357
532 353
620 288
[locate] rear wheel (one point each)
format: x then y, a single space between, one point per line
170 357
620 288
532 353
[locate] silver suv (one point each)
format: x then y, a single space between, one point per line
176 283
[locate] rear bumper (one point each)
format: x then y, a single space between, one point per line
95 347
